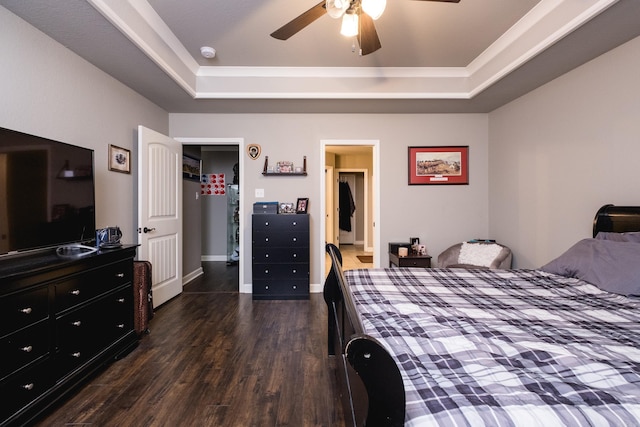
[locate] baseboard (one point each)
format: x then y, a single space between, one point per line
191 276
213 258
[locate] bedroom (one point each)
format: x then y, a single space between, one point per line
540 165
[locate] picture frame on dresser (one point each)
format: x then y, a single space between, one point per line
302 205
439 165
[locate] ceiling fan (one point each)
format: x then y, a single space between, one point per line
357 20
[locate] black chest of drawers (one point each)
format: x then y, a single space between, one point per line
60 320
280 256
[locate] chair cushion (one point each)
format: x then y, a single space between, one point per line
478 254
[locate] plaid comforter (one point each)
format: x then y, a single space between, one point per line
505 347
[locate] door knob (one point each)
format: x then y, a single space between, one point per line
148 230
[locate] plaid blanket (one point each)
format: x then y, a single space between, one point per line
505 347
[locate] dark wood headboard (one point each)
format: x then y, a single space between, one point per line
617 219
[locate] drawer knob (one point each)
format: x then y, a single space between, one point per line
28 386
75 292
266 271
266 255
120 275
27 310
266 223
295 223
295 287
295 271
77 354
121 300
295 255
295 239
266 287
27 349
266 239
121 326
76 323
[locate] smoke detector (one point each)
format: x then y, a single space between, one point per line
208 52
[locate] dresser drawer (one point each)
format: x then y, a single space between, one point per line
273 238
23 347
23 309
281 271
83 287
274 289
280 255
25 387
280 222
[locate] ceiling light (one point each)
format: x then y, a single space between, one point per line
208 52
337 8
374 8
349 24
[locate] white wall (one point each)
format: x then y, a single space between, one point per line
560 152
439 215
49 91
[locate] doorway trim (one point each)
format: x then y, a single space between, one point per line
375 145
239 142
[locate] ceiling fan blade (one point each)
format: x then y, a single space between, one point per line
297 24
368 36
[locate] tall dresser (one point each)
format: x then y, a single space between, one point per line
61 320
280 256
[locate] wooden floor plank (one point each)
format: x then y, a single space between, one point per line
216 358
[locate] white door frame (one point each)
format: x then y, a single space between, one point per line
375 145
239 142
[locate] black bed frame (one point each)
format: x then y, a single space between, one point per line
370 383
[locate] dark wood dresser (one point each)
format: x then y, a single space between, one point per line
61 319
280 245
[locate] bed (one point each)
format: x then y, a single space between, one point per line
555 346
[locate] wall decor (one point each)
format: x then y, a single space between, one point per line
302 205
286 208
119 159
439 165
254 150
212 184
191 168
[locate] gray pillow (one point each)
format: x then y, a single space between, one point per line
612 266
633 236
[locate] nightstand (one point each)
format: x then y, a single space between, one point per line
423 261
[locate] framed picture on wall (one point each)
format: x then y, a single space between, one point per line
191 168
119 159
439 165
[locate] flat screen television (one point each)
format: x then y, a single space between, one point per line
47 193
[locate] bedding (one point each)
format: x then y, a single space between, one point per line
612 265
504 347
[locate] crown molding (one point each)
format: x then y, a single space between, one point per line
548 22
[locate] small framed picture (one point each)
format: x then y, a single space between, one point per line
414 241
191 168
286 208
119 159
302 205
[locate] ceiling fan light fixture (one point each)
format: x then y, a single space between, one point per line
337 8
349 25
374 8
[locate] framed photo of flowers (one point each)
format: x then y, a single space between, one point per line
439 165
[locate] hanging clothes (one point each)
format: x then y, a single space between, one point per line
346 205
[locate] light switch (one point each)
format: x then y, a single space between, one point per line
259 193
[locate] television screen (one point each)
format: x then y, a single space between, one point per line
46 193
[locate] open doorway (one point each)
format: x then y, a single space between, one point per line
212 225
356 162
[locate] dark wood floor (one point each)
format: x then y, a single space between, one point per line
217 358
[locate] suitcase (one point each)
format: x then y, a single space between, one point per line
142 296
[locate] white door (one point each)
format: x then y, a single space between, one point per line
160 211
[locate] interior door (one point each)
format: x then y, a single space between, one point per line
160 211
